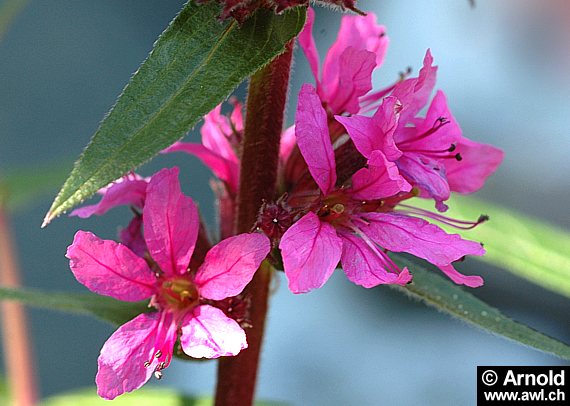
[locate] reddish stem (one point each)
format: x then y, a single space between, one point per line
264 122
16 341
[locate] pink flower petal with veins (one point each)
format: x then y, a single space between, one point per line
379 180
132 237
171 223
230 265
401 233
311 129
311 250
122 360
215 132
127 191
414 93
479 162
208 333
473 281
354 80
377 132
307 42
428 175
364 267
109 268
225 169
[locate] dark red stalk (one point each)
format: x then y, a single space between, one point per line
264 122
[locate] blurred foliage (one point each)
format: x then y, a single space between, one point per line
440 292
9 9
527 247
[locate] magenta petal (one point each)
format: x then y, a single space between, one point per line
109 268
225 169
354 81
215 132
129 190
479 162
379 180
364 266
375 133
230 265
311 250
428 175
414 93
171 223
287 144
312 131
401 233
132 236
208 333
473 281
307 42
361 33
123 357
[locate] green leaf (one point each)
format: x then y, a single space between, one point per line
444 295
141 397
104 308
195 64
20 188
516 242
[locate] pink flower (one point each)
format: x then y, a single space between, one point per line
145 345
347 70
356 222
430 152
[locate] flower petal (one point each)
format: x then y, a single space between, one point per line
473 281
230 265
307 42
130 190
225 169
361 33
123 357
109 268
171 223
364 266
428 175
380 180
208 333
311 129
414 93
377 132
311 250
479 162
132 236
215 132
354 81
287 144
401 233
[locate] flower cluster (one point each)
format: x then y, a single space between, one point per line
347 168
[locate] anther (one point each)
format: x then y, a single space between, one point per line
158 354
146 364
158 375
452 148
275 221
458 157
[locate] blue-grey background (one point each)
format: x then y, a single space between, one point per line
505 69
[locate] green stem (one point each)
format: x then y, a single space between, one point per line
258 175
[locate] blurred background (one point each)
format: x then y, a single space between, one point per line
504 66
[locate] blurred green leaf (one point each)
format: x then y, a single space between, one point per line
9 9
516 242
142 397
439 292
196 63
21 188
102 307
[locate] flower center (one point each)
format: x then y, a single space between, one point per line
177 293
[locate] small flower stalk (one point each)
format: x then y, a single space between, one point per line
342 196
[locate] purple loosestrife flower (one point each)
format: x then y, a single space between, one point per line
355 222
429 151
183 297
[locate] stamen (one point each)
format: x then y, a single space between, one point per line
146 364
158 354
437 124
158 375
455 223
